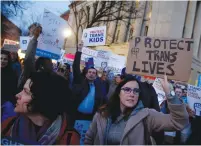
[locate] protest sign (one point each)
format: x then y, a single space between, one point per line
89 62
52 39
102 59
94 36
199 80
116 63
89 52
82 126
7 140
194 99
10 45
159 90
24 41
157 56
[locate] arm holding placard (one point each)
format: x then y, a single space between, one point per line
176 120
29 61
76 66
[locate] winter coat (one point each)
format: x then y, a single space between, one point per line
133 134
81 87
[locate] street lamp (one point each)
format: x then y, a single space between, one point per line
66 33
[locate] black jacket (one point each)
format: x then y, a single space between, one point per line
149 96
81 86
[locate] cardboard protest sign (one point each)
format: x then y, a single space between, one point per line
194 99
24 41
51 40
159 90
10 45
94 36
157 56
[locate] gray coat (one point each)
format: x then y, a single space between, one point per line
29 62
133 134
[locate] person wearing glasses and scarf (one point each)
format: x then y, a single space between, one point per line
125 121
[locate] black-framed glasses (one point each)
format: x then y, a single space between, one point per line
127 90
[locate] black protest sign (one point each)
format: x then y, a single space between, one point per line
157 56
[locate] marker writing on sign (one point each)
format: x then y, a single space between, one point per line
161 54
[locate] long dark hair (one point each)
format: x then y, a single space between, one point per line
113 107
9 66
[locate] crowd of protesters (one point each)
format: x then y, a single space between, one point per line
45 103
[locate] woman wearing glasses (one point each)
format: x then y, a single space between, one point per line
125 121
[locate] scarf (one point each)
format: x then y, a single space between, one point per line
139 107
24 130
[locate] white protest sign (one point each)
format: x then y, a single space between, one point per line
10 45
52 39
95 36
194 99
102 59
116 63
89 52
159 90
24 41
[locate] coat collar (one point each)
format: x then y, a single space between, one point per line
134 120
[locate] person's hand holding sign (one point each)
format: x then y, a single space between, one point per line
165 84
80 46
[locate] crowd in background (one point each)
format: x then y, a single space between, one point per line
45 99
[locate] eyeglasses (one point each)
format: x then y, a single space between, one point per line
128 90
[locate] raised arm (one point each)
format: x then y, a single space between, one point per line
29 61
176 120
77 77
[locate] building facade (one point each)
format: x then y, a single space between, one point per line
9 30
179 19
174 19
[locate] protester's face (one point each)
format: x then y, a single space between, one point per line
4 60
129 98
178 92
117 79
13 56
48 65
91 74
104 76
185 93
61 72
23 98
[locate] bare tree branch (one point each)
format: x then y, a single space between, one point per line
104 11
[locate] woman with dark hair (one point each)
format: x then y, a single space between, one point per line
8 86
8 78
16 63
125 121
42 106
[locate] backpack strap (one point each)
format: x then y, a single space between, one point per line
7 124
69 132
